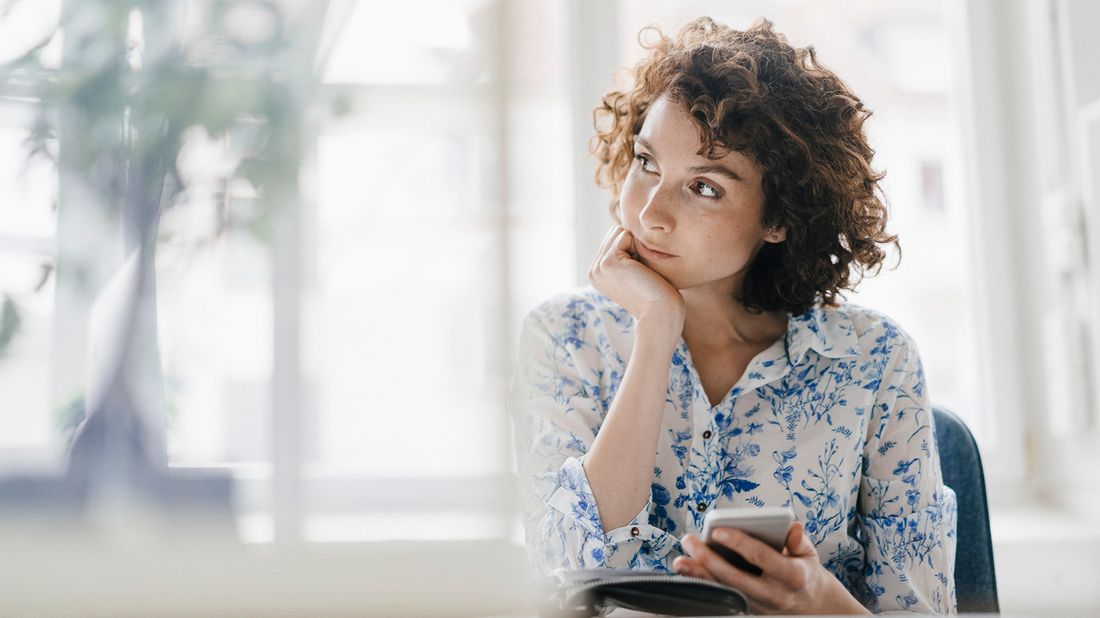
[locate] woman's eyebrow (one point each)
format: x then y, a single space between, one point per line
716 169
713 168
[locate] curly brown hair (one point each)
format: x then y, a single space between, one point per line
753 92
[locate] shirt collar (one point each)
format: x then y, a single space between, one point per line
827 330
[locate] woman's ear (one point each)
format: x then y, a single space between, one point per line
776 234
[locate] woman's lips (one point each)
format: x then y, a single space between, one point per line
651 254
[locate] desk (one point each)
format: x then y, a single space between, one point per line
66 574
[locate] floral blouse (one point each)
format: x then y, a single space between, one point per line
832 420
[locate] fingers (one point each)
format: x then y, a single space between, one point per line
798 544
752 585
608 238
623 243
630 282
609 243
616 238
691 568
615 247
612 250
774 564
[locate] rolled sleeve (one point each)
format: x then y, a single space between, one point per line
573 507
907 517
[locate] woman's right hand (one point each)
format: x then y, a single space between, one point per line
639 289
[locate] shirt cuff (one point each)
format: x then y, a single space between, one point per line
573 498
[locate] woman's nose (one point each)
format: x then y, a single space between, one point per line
657 212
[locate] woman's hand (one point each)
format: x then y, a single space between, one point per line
792 582
636 287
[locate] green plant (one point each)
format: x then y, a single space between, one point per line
9 321
134 84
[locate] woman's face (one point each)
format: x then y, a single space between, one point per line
705 213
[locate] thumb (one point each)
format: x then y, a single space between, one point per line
798 544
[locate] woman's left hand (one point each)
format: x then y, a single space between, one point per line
792 582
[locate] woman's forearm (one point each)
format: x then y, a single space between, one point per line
619 466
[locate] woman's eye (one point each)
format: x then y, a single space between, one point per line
705 189
646 164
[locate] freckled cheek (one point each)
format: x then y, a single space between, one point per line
727 250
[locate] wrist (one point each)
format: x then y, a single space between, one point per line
667 323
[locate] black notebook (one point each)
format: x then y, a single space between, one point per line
592 592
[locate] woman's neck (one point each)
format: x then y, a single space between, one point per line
715 319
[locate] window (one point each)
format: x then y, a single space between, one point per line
393 342
456 194
406 254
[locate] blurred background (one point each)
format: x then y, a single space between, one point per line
345 353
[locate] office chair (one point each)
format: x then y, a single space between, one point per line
975 577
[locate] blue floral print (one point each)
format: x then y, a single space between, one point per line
832 420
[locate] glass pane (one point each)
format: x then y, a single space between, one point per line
404 331
214 314
30 414
27 23
399 322
418 42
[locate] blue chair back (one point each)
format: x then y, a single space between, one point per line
975 577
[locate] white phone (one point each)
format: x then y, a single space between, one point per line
769 524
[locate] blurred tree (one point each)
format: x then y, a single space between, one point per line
136 77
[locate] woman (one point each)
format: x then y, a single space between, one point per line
710 364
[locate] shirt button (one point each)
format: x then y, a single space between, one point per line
702 506
635 531
706 435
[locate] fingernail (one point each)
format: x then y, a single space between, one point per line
721 535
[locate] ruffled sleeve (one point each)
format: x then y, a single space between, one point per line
556 419
906 517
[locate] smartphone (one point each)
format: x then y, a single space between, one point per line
770 525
